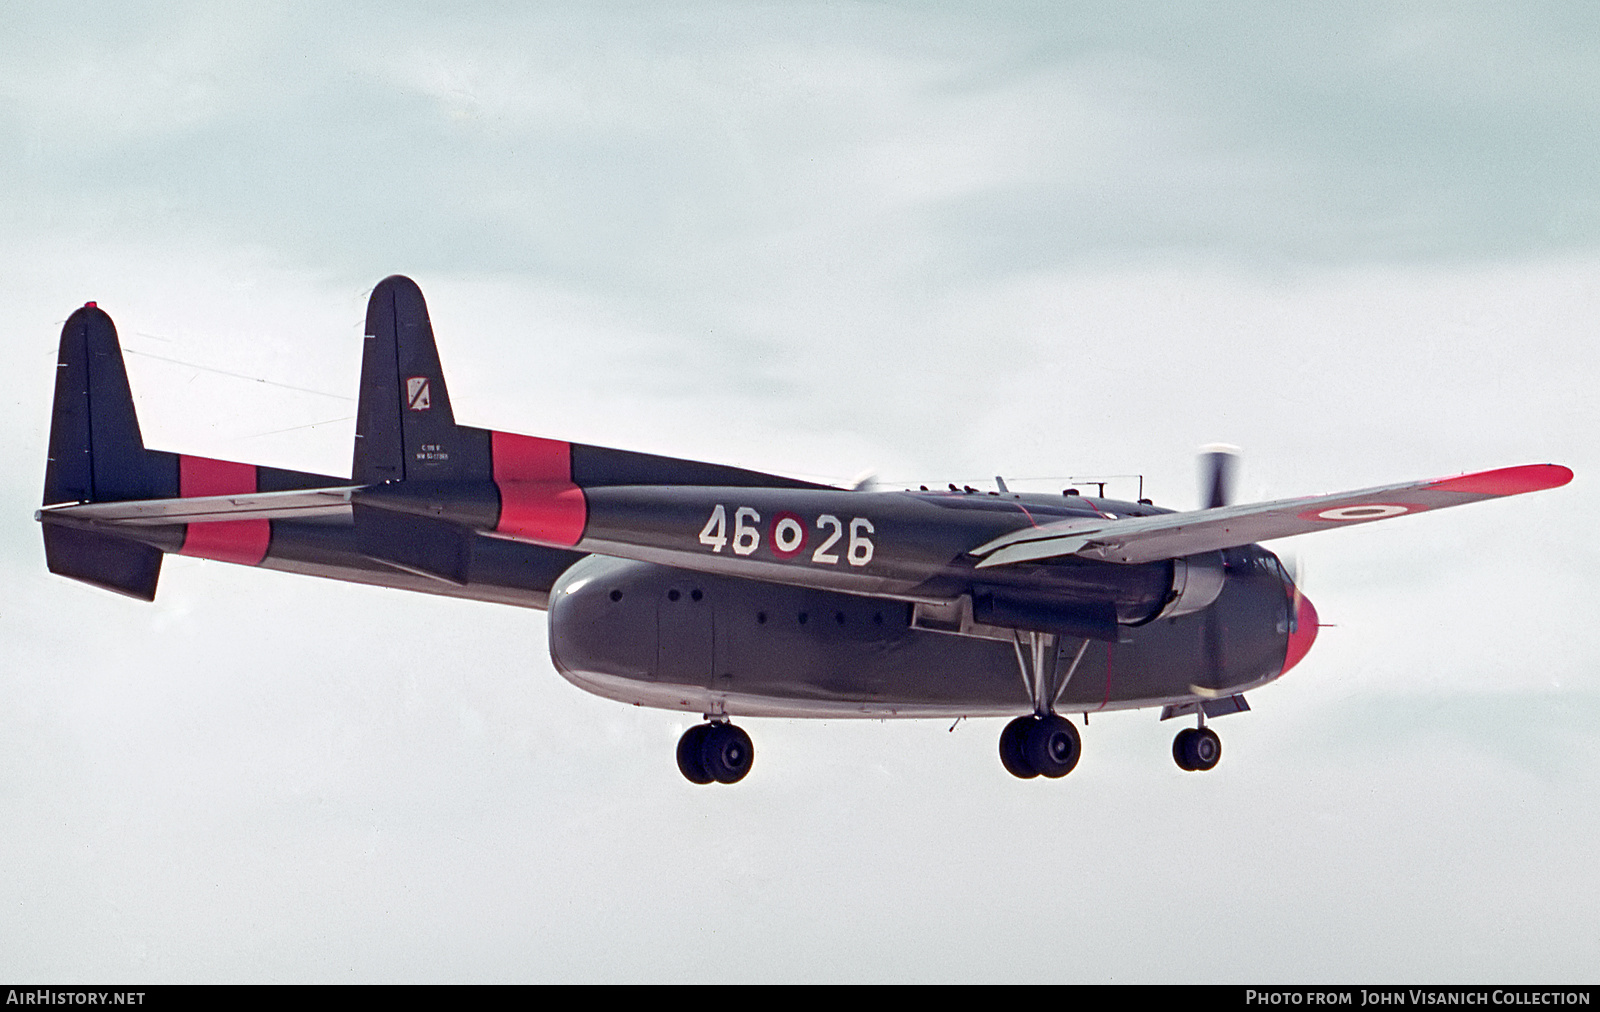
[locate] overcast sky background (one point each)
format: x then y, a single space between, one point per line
941 241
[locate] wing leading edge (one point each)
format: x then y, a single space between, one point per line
1135 540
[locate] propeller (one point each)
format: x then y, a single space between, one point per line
1218 465
1295 570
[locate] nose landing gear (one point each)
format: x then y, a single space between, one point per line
1197 749
715 751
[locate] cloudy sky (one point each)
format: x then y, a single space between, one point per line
940 241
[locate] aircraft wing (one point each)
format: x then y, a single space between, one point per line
296 504
1171 535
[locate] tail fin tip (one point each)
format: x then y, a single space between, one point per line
96 449
405 428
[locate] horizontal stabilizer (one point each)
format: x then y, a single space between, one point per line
103 560
1135 540
297 504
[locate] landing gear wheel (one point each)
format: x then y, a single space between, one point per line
1052 746
1197 749
1180 749
1013 743
726 753
689 755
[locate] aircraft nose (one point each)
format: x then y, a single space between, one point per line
1303 635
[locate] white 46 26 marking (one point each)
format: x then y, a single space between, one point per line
789 535
715 532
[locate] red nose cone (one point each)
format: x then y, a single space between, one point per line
1305 633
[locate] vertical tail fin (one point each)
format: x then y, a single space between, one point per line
97 454
405 429
96 451
407 438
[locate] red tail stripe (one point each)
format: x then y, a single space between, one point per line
529 458
241 541
199 476
538 500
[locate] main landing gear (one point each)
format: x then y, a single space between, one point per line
717 751
1044 744
1040 746
1197 749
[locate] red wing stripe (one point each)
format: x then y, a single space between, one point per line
1507 480
538 500
242 541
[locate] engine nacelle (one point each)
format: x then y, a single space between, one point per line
1196 582
1095 599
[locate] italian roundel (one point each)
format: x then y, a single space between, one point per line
1362 511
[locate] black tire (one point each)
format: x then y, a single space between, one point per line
726 753
1053 746
1012 754
1206 751
1197 749
689 755
1181 749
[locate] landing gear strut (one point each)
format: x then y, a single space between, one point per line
1044 744
1197 749
717 751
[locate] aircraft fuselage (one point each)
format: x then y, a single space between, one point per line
678 639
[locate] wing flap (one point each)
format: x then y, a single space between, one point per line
1135 540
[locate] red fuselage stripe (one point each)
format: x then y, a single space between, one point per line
241 541
538 500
